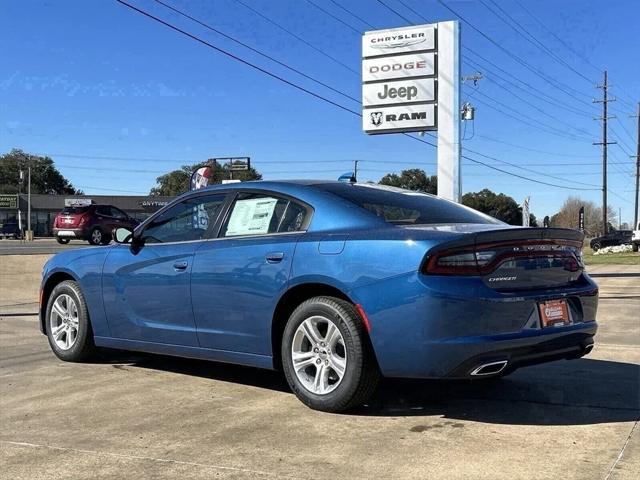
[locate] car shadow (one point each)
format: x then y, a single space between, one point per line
576 392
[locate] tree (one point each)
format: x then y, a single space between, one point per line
412 179
45 177
567 217
176 182
500 206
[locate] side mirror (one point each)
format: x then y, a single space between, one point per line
123 235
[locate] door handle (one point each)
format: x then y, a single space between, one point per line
180 265
274 257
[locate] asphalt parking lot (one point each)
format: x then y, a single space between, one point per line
40 246
143 416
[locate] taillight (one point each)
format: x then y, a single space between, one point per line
458 263
484 258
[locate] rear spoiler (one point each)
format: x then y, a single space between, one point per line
507 235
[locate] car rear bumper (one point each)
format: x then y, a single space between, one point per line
498 358
70 233
448 328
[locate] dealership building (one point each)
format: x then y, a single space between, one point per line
44 208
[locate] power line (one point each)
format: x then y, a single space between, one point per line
297 37
394 11
551 100
556 84
237 58
511 173
518 116
343 8
541 151
336 18
266 72
525 168
548 130
524 33
255 50
559 39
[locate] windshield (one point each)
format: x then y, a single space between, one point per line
74 210
405 207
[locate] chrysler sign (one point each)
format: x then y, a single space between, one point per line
399 79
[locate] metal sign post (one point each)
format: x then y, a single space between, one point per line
411 83
449 175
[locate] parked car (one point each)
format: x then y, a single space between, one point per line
10 230
635 239
613 238
335 283
93 223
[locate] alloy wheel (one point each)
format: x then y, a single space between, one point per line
64 321
319 355
96 236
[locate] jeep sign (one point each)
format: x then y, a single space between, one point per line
392 93
399 79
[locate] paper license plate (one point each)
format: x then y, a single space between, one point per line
554 313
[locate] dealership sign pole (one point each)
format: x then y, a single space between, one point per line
411 83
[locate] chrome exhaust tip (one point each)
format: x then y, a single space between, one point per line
489 368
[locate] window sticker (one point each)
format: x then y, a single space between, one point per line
251 216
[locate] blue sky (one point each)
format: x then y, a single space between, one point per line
80 81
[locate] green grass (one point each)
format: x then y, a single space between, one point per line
629 258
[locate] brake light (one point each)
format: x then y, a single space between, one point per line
484 258
462 263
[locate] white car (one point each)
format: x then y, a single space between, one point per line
635 239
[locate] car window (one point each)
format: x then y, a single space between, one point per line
191 219
260 214
103 210
117 213
405 207
74 210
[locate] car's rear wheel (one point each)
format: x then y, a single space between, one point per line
67 323
96 236
634 247
595 246
62 241
326 355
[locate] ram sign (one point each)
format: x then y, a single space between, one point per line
399 80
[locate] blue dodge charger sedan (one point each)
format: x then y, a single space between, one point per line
335 283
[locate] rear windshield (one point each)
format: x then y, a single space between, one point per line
405 207
74 210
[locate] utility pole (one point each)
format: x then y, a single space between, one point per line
635 216
605 100
355 169
30 237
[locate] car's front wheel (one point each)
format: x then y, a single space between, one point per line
596 246
67 323
326 355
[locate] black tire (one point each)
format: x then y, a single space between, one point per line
96 236
84 348
106 239
361 374
595 246
62 241
634 247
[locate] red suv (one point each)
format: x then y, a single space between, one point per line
94 223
